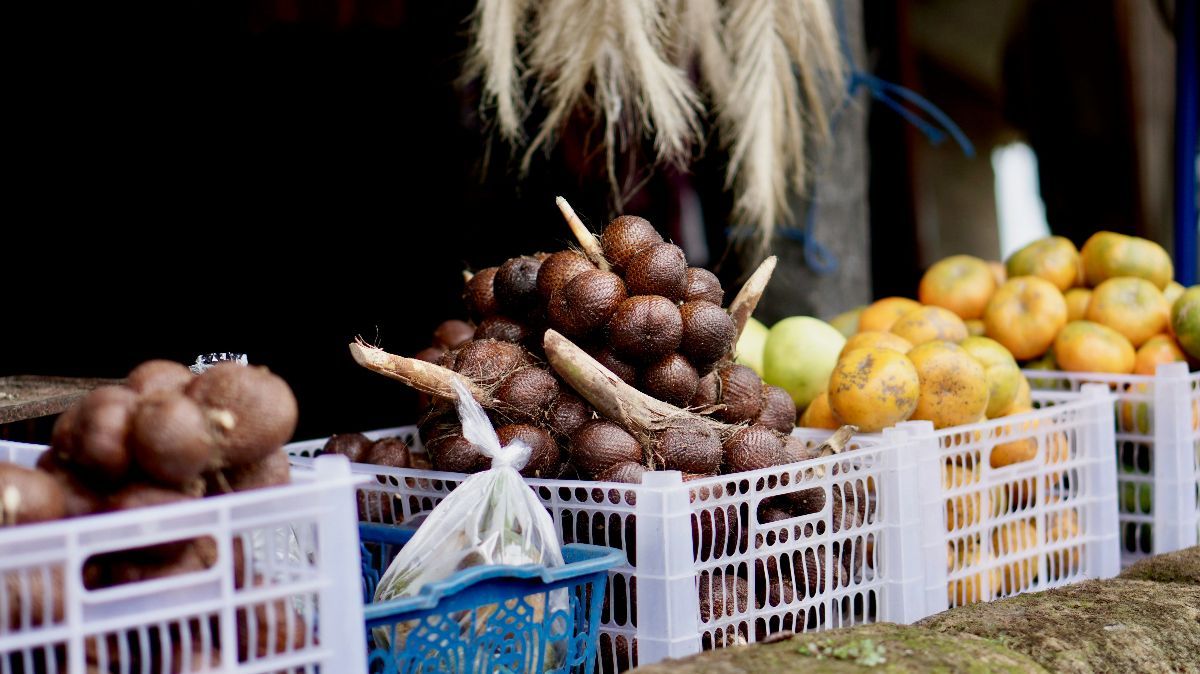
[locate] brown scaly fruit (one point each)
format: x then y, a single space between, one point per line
703 285
454 453
660 269
543 457
741 394
80 498
504 329
586 303
645 328
26 593
598 445
613 655
609 359
29 496
515 285
625 237
353 446
708 391
389 452
723 595
626 471
487 361
752 448
480 294
671 379
717 530
691 449
272 471
97 443
708 333
558 270
432 354
778 410
568 413
525 395
275 629
452 334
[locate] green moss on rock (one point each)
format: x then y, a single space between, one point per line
882 649
1093 626
1174 567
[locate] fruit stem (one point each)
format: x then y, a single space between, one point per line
425 377
587 240
747 298
636 412
836 443
222 482
10 503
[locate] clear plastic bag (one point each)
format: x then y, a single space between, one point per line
206 361
493 517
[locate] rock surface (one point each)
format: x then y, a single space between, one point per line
883 648
1095 626
1174 567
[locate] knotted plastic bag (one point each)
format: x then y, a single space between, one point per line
493 517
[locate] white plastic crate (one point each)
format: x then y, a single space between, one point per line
298 570
863 568
1158 454
1046 521
889 564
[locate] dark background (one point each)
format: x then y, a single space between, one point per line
277 178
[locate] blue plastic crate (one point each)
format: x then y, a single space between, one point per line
515 637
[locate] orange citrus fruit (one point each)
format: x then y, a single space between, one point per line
961 283
1131 306
883 313
928 324
874 338
1157 350
873 388
1109 255
1053 258
1024 315
998 272
954 386
1084 346
819 414
1077 303
1185 321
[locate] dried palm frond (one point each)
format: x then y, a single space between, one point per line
612 52
498 27
785 58
695 37
770 68
816 52
761 119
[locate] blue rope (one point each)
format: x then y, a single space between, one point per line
816 255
